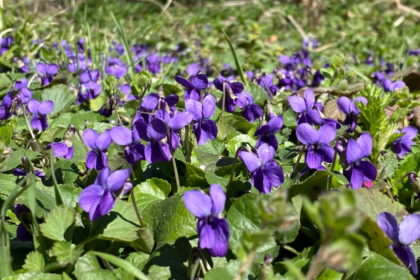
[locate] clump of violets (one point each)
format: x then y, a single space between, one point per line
154 101
47 72
349 107
230 92
402 236
402 145
266 133
193 87
99 199
306 108
357 170
96 158
265 172
319 149
115 67
134 150
156 133
213 229
64 148
22 172
89 87
204 128
40 110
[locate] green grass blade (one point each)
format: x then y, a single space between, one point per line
123 264
162 79
58 198
359 73
125 44
5 259
294 270
238 65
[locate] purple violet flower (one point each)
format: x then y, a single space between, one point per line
96 159
22 172
5 44
402 145
348 107
265 172
213 231
359 171
192 69
305 43
115 67
6 107
266 82
47 71
40 112
304 107
134 150
25 94
204 128
266 133
108 107
229 90
22 212
153 102
89 87
155 132
194 86
99 199
319 149
250 110
63 149
388 85
402 236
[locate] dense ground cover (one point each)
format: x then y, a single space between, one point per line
227 140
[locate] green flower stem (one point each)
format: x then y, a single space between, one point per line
233 168
332 169
136 209
120 122
187 144
298 159
223 111
135 111
290 249
173 158
266 87
248 261
402 178
36 145
133 200
81 140
317 266
58 197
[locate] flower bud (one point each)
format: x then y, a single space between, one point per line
270 111
414 182
339 146
161 92
111 82
267 259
